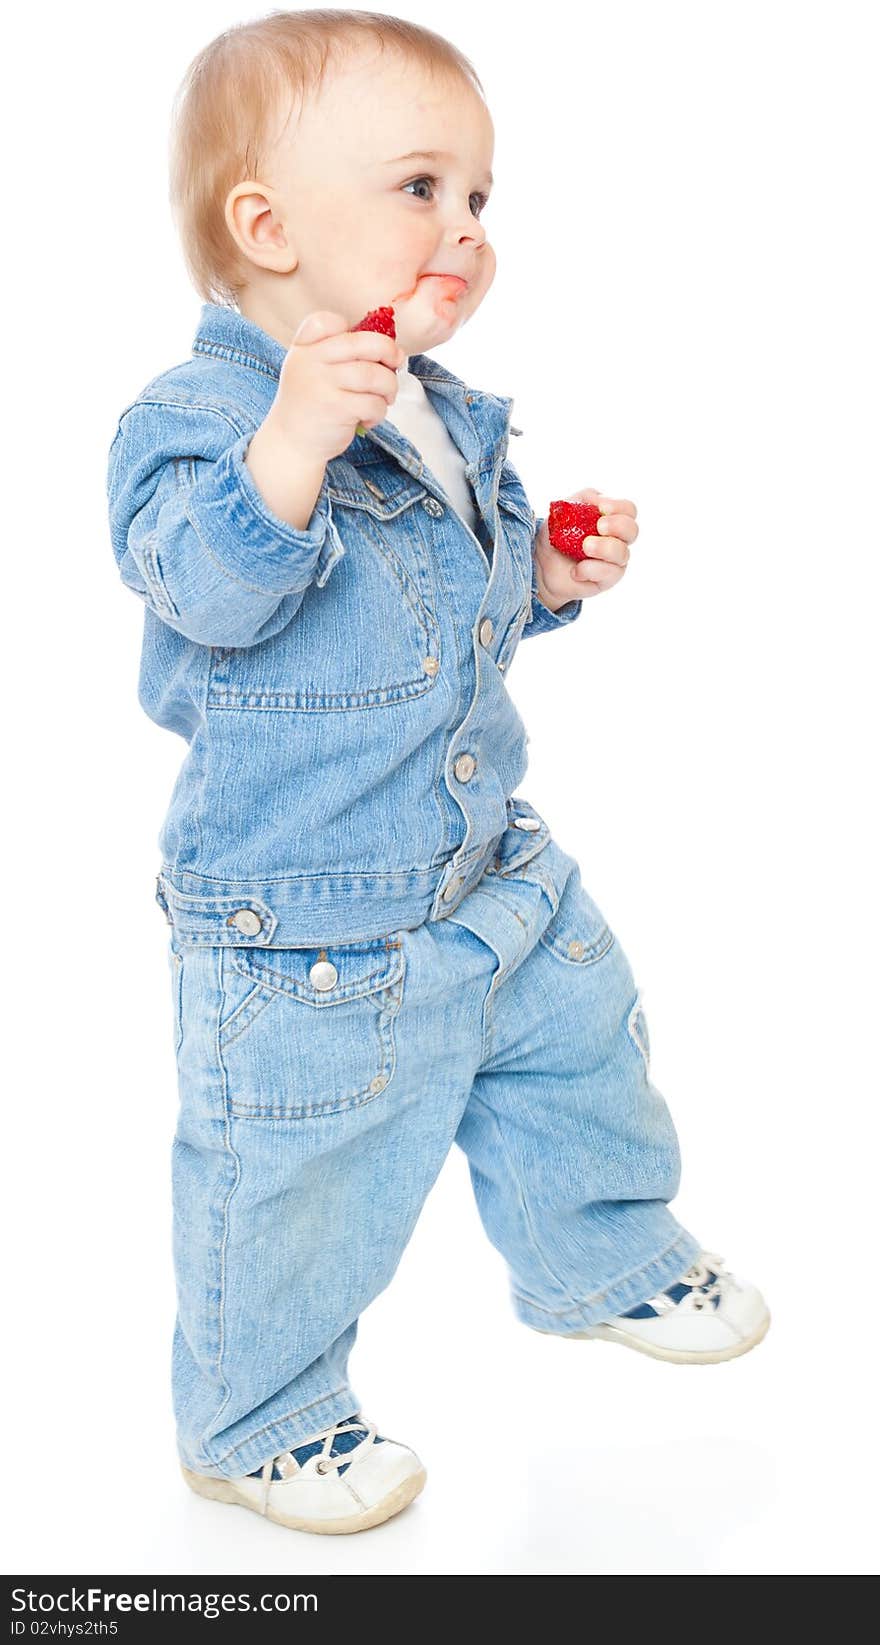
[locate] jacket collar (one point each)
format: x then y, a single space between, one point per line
479 422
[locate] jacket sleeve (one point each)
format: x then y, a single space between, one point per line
541 619
192 534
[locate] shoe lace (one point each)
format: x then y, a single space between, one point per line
351 1424
710 1277
325 1462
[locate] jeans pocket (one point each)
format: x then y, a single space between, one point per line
309 1031
578 933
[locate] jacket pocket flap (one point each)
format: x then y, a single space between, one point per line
325 976
383 501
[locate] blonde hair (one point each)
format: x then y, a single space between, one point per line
226 108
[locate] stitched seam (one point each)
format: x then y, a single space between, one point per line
447 846
353 499
289 879
246 1013
227 1139
184 405
290 987
225 351
339 1105
332 702
489 1004
178 1000
407 586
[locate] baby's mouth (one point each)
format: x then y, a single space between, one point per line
457 278
457 283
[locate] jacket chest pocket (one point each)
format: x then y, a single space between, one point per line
308 1032
367 638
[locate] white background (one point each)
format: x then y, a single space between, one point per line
685 312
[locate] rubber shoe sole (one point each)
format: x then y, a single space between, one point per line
678 1356
225 1490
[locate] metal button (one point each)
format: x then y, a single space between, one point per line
486 631
501 667
323 975
452 888
379 1083
464 767
431 506
247 922
430 665
530 824
576 949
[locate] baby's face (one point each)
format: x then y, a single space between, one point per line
369 226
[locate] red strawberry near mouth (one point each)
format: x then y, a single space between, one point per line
569 523
378 319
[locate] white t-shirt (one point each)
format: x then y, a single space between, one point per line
413 414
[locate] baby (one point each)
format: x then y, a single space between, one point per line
376 949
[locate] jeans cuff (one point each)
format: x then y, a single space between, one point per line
635 1287
287 1431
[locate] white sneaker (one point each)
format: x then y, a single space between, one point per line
706 1317
345 1478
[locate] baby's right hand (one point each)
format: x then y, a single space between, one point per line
332 379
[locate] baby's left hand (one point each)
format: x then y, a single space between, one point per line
561 579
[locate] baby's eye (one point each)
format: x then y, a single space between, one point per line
482 198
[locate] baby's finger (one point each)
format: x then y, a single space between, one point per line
602 572
612 549
618 525
615 505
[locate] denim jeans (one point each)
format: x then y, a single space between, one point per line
321 1091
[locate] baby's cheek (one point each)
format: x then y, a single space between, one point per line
487 262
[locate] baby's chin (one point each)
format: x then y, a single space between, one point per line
420 339
429 315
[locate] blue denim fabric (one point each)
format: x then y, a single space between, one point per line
321 1090
376 949
327 682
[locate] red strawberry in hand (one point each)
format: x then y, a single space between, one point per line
378 319
569 523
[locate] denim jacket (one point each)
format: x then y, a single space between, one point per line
352 745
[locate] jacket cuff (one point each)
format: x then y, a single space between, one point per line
251 543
